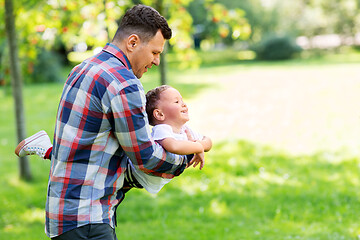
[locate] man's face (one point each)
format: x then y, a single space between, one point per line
146 54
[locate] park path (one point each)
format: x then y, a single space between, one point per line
300 110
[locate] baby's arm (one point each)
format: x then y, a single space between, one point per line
199 158
181 147
206 143
185 147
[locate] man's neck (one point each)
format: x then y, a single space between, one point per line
119 45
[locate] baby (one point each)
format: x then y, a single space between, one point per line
168 113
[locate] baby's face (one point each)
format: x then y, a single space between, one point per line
173 107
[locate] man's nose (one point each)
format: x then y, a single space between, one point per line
156 60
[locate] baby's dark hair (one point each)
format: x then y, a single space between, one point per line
144 21
152 98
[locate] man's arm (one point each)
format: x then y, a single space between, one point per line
133 133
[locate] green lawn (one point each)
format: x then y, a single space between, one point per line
245 191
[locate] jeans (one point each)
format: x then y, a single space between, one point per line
100 231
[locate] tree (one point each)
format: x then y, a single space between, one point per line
340 17
25 172
159 5
88 24
217 23
300 17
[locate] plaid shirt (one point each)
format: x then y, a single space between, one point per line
101 123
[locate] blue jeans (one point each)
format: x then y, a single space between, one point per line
100 231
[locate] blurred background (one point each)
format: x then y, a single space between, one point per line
53 34
275 84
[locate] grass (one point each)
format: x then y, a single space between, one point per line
252 192
245 191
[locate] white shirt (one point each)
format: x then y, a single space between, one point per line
153 184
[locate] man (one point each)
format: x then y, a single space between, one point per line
101 124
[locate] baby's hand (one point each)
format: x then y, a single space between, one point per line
198 158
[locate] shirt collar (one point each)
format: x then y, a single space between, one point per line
114 50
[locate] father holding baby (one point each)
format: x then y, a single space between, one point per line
101 123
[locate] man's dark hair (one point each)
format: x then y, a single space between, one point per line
144 21
152 98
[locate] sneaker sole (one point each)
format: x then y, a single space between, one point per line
28 140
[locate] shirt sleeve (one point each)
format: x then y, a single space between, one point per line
196 135
162 131
133 133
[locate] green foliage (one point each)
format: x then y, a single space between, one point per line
265 17
299 17
330 16
47 67
49 24
4 62
277 48
216 23
60 25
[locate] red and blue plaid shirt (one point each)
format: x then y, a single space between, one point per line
101 123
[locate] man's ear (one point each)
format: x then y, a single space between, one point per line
159 115
132 42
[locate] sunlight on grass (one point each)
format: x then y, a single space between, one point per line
4 141
264 178
194 187
10 228
246 55
34 215
219 208
14 181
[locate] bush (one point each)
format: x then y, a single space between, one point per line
277 48
47 67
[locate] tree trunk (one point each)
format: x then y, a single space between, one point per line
163 67
16 82
106 22
159 5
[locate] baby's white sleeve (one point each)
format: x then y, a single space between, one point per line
161 131
194 134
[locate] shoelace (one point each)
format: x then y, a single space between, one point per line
36 150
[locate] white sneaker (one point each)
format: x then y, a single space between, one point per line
38 144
